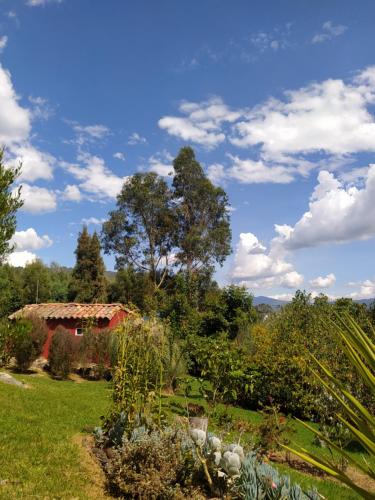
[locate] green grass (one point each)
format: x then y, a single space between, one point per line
38 455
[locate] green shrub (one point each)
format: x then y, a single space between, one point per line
29 337
152 464
94 347
62 352
138 372
6 336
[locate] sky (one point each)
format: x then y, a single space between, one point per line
276 98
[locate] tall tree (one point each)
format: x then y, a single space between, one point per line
204 233
141 231
10 202
88 279
36 283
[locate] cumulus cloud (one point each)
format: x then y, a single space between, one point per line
21 259
366 290
135 139
3 42
72 193
257 268
93 221
37 200
119 156
86 134
216 173
329 31
30 240
201 122
161 164
323 281
15 131
95 177
257 172
338 213
35 164
331 116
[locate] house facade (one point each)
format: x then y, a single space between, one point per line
74 317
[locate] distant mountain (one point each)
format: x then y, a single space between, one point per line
275 303
269 301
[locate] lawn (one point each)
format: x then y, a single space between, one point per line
40 452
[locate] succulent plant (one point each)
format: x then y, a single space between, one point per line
198 436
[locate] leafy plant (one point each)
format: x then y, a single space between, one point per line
62 352
6 336
360 351
138 373
29 337
259 481
273 430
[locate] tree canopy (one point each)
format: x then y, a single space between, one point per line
10 202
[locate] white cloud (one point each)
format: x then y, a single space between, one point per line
72 193
93 221
161 163
15 130
14 120
330 117
96 178
329 31
366 290
35 164
135 139
86 134
37 200
256 268
30 240
216 173
256 172
41 109
323 281
21 259
3 42
202 122
119 156
38 3
338 213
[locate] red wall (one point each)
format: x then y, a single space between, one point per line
71 324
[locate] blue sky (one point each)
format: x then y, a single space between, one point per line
277 99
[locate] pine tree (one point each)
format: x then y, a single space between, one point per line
88 279
99 282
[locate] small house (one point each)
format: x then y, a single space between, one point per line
74 317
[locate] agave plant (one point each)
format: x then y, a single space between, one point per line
360 351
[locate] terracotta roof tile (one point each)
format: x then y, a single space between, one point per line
70 310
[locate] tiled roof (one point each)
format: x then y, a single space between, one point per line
70 310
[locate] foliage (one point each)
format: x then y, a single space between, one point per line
11 290
152 464
141 231
274 429
88 282
6 336
204 233
36 283
95 347
137 373
132 286
221 365
62 352
10 202
28 338
258 481
360 351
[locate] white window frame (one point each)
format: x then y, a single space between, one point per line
79 334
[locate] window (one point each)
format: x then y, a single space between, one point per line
79 332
